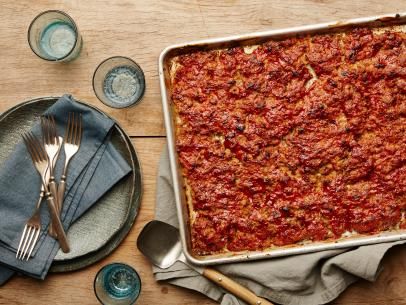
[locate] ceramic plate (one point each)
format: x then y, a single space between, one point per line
122 202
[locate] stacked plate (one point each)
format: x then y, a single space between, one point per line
122 201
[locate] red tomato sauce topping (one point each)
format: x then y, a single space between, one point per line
301 139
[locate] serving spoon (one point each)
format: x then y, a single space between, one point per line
160 243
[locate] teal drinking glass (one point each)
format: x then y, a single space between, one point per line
117 284
54 36
119 82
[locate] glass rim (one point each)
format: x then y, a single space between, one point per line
75 28
121 264
137 66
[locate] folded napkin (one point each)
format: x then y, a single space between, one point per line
94 169
307 279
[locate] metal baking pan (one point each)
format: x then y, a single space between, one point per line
245 40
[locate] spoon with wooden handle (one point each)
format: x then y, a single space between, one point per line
160 243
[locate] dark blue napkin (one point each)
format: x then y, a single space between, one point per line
95 168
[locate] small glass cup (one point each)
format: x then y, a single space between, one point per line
54 36
119 82
117 284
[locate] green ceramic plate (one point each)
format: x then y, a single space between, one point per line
121 203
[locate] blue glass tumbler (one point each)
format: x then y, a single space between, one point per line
54 36
117 284
119 82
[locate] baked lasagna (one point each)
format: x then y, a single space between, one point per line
292 141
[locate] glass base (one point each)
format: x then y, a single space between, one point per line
117 284
57 40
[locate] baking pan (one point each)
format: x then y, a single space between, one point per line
245 40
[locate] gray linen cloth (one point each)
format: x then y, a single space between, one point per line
95 168
307 279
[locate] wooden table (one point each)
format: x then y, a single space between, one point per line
140 30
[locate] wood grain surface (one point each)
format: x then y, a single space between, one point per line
140 30
77 287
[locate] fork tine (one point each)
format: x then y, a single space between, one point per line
75 141
69 140
31 236
27 236
80 130
49 135
33 146
30 244
21 240
42 150
53 128
44 134
28 141
69 126
79 127
45 129
28 144
48 130
33 243
39 148
75 129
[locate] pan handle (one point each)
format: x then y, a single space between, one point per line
233 287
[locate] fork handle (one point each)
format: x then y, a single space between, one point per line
61 193
52 189
63 241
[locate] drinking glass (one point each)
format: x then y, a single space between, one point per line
117 284
119 82
54 36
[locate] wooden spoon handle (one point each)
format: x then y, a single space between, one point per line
233 287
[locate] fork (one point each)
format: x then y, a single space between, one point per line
52 146
73 137
41 163
32 228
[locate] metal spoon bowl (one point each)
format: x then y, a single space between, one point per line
160 242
